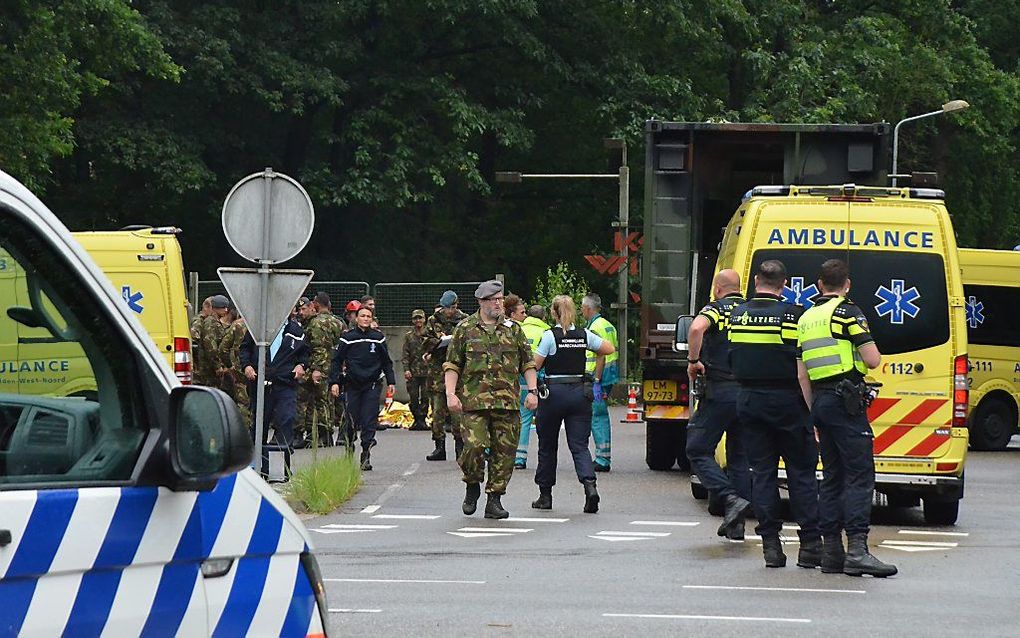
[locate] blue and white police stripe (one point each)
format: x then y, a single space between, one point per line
127 561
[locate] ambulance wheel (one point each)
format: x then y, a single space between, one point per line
660 445
941 511
698 491
993 425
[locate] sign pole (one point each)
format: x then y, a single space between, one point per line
267 217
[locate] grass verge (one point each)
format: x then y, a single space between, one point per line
326 484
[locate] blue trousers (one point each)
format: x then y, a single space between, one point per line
527 418
280 411
363 406
716 415
566 404
848 466
601 431
775 422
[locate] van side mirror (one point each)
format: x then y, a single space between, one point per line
208 436
683 326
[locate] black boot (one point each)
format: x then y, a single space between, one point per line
458 447
591 497
833 555
366 461
544 501
859 560
772 547
734 517
810 554
494 509
439 454
471 494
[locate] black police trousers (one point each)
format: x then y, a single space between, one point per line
714 416
565 404
775 423
848 466
279 412
363 406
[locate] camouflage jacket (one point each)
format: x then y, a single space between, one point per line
198 357
490 362
436 327
414 348
323 333
230 346
212 334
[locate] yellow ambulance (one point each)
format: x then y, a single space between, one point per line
146 269
900 246
991 287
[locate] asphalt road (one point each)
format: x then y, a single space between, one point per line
401 559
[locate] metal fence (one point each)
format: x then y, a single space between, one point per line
395 301
340 292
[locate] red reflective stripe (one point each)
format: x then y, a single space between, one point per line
879 407
892 434
929 445
923 411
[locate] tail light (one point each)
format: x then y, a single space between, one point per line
961 393
182 359
685 398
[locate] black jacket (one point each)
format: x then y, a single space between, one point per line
366 356
293 350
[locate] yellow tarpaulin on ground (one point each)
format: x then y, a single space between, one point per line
398 416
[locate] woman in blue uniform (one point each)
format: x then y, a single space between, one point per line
561 354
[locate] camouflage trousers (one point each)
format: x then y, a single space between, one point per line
440 413
238 391
489 435
313 406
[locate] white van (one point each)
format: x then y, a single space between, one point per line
129 509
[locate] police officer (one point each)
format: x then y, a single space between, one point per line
286 362
438 330
708 355
363 350
773 416
482 385
416 370
837 351
601 431
534 326
562 354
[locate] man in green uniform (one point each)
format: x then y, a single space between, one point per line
486 356
438 329
305 396
322 332
199 358
235 383
211 332
416 371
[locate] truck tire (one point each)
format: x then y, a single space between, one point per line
698 491
660 445
992 425
941 511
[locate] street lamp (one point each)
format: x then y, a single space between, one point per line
623 175
948 107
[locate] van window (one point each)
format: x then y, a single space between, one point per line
70 408
992 313
903 295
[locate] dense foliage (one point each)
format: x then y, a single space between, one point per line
395 114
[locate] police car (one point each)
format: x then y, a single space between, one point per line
129 509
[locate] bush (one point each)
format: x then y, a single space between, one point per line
326 484
560 280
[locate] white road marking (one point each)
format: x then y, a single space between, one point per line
696 617
786 540
920 543
367 527
404 580
419 517
479 534
648 534
339 531
371 509
516 530
925 532
613 539
667 523
793 589
411 470
391 490
534 520
913 549
355 611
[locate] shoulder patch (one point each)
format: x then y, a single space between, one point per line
508 323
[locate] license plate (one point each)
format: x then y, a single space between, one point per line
660 391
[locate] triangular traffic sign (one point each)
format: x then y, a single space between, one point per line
244 285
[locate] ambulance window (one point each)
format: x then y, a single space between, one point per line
903 295
992 315
70 412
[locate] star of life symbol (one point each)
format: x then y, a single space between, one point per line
132 299
797 294
897 302
975 312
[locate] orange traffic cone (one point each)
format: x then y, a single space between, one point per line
632 410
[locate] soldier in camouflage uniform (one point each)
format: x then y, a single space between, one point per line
485 359
416 371
439 325
302 313
234 382
322 332
199 365
210 333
